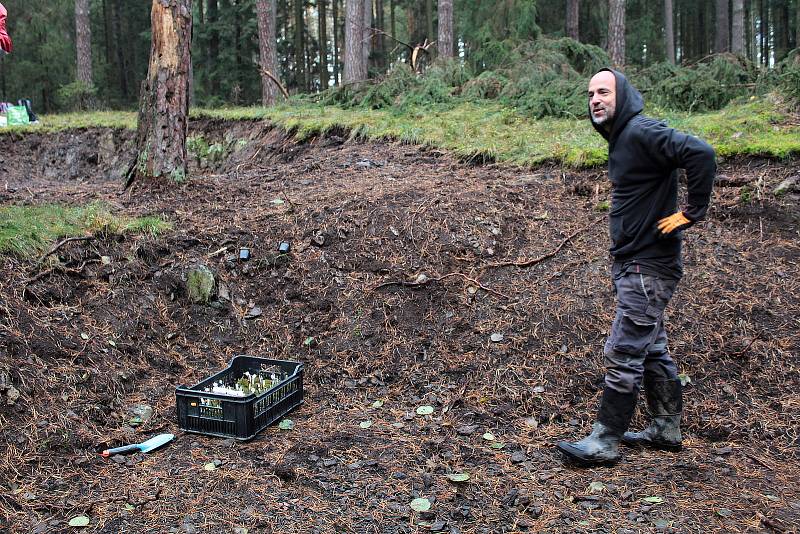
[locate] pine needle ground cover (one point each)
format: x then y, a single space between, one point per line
451 319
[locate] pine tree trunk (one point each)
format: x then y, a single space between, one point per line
445 42
722 35
737 27
323 44
268 49
669 31
616 32
121 63
392 18
355 68
380 41
573 16
336 42
299 56
213 47
367 33
763 31
780 10
164 104
83 37
429 19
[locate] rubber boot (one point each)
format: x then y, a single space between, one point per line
601 447
665 403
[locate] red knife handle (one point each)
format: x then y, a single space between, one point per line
120 450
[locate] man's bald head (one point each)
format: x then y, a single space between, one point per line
603 97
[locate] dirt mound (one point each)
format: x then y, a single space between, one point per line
404 263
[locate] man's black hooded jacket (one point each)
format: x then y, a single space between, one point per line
643 157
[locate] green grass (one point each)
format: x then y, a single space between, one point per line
30 230
488 130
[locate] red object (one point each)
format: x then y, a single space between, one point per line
5 39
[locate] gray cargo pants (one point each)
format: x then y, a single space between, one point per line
637 345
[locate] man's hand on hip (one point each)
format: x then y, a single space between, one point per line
676 222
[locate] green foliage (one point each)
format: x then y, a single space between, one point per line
77 96
787 73
708 85
29 230
487 85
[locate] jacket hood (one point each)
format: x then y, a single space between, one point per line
629 104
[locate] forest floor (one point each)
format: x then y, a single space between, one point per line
503 335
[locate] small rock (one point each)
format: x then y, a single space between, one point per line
118 459
466 430
330 462
518 457
254 312
497 338
789 185
721 451
313 457
223 293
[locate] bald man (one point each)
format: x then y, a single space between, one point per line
645 227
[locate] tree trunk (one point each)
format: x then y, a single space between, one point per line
737 28
763 32
164 103
616 32
323 44
336 42
367 33
355 68
212 14
299 57
268 49
429 19
380 41
121 63
83 37
669 31
573 16
722 36
445 42
780 11
392 18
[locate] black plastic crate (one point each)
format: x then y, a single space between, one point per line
217 414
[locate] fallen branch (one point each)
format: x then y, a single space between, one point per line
277 82
528 263
61 244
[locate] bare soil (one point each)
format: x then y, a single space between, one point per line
404 262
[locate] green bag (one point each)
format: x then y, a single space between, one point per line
17 115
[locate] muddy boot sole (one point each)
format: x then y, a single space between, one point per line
574 456
650 444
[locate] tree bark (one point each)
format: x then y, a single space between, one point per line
336 42
445 41
323 44
212 14
380 41
299 56
367 33
780 11
616 32
722 35
573 16
268 49
83 38
669 31
121 62
429 19
737 28
355 68
164 103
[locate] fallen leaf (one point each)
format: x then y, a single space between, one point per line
79 521
286 424
420 505
425 410
724 512
365 424
596 487
498 445
210 466
488 436
653 500
84 336
377 404
458 477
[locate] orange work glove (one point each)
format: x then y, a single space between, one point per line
674 223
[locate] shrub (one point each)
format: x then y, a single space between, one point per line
77 96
